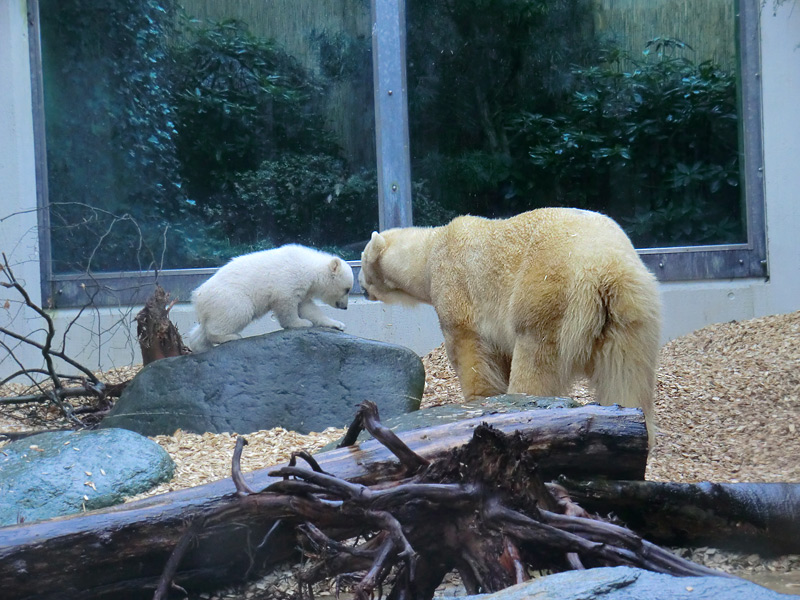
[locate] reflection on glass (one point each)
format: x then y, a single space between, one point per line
628 107
181 135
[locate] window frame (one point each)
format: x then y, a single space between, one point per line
686 263
748 259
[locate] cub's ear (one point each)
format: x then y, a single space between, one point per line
378 242
335 265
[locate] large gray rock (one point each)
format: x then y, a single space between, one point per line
63 472
301 379
626 583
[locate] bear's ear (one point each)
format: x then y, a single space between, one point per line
335 265
378 242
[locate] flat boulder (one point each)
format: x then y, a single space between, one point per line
301 379
627 583
60 473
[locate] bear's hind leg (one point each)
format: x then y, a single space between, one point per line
481 372
223 322
221 339
624 371
536 368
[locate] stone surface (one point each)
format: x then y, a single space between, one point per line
626 583
450 413
63 472
301 379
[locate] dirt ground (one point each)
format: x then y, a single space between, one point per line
727 410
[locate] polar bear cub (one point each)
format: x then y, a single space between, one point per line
283 280
528 304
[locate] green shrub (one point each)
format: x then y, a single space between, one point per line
656 146
305 198
239 100
502 120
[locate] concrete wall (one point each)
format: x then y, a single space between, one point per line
106 337
18 232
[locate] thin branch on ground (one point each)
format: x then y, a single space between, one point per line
54 389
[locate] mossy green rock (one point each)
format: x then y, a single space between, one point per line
64 472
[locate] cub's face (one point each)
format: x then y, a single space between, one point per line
340 282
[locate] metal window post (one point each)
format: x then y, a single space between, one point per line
391 113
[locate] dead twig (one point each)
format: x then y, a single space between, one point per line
59 392
166 582
367 418
236 470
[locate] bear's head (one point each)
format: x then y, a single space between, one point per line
339 282
393 269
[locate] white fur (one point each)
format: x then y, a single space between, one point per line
528 304
284 280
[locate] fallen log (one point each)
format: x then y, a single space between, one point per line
482 510
120 552
747 517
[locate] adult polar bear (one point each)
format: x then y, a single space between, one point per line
284 280
529 303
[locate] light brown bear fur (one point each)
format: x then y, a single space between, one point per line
528 304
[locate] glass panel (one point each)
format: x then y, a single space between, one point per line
628 107
181 135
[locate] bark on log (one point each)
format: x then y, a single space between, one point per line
121 551
749 517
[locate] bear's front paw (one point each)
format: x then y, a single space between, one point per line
332 324
297 324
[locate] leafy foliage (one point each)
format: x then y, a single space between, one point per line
110 124
186 174
656 145
296 198
516 104
472 65
179 144
342 56
257 160
239 101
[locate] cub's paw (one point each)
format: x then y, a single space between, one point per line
298 324
332 324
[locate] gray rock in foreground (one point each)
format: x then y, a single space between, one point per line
64 472
626 583
300 379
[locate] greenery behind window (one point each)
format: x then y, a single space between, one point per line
179 135
517 104
176 141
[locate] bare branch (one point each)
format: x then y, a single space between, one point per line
334 485
13 283
165 583
367 418
48 352
306 457
236 471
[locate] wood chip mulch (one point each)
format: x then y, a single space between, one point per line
727 402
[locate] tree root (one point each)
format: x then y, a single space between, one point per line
491 519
